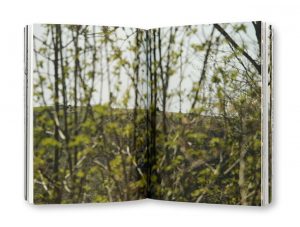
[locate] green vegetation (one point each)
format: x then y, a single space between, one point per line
99 164
123 114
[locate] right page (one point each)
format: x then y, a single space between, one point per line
205 113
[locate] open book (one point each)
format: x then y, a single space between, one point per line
175 113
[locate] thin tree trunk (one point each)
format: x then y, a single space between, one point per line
65 100
106 36
101 74
56 106
257 27
148 119
135 82
203 71
76 70
242 163
153 107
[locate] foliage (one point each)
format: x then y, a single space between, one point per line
121 114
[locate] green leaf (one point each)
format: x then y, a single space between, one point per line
198 47
80 174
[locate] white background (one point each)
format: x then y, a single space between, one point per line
285 17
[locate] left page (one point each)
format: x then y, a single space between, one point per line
89 114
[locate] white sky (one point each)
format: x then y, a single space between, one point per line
190 72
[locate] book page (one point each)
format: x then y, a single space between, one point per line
206 113
270 105
89 107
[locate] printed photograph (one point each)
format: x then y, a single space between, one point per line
90 121
206 113
169 113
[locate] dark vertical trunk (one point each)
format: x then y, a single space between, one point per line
91 74
154 101
65 99
154 86
55 40
148 125
76 70
106 40
257 27
151 69
165 82
135 82
165 78
180 77
203 71
101 74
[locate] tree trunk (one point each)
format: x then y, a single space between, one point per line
57 188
